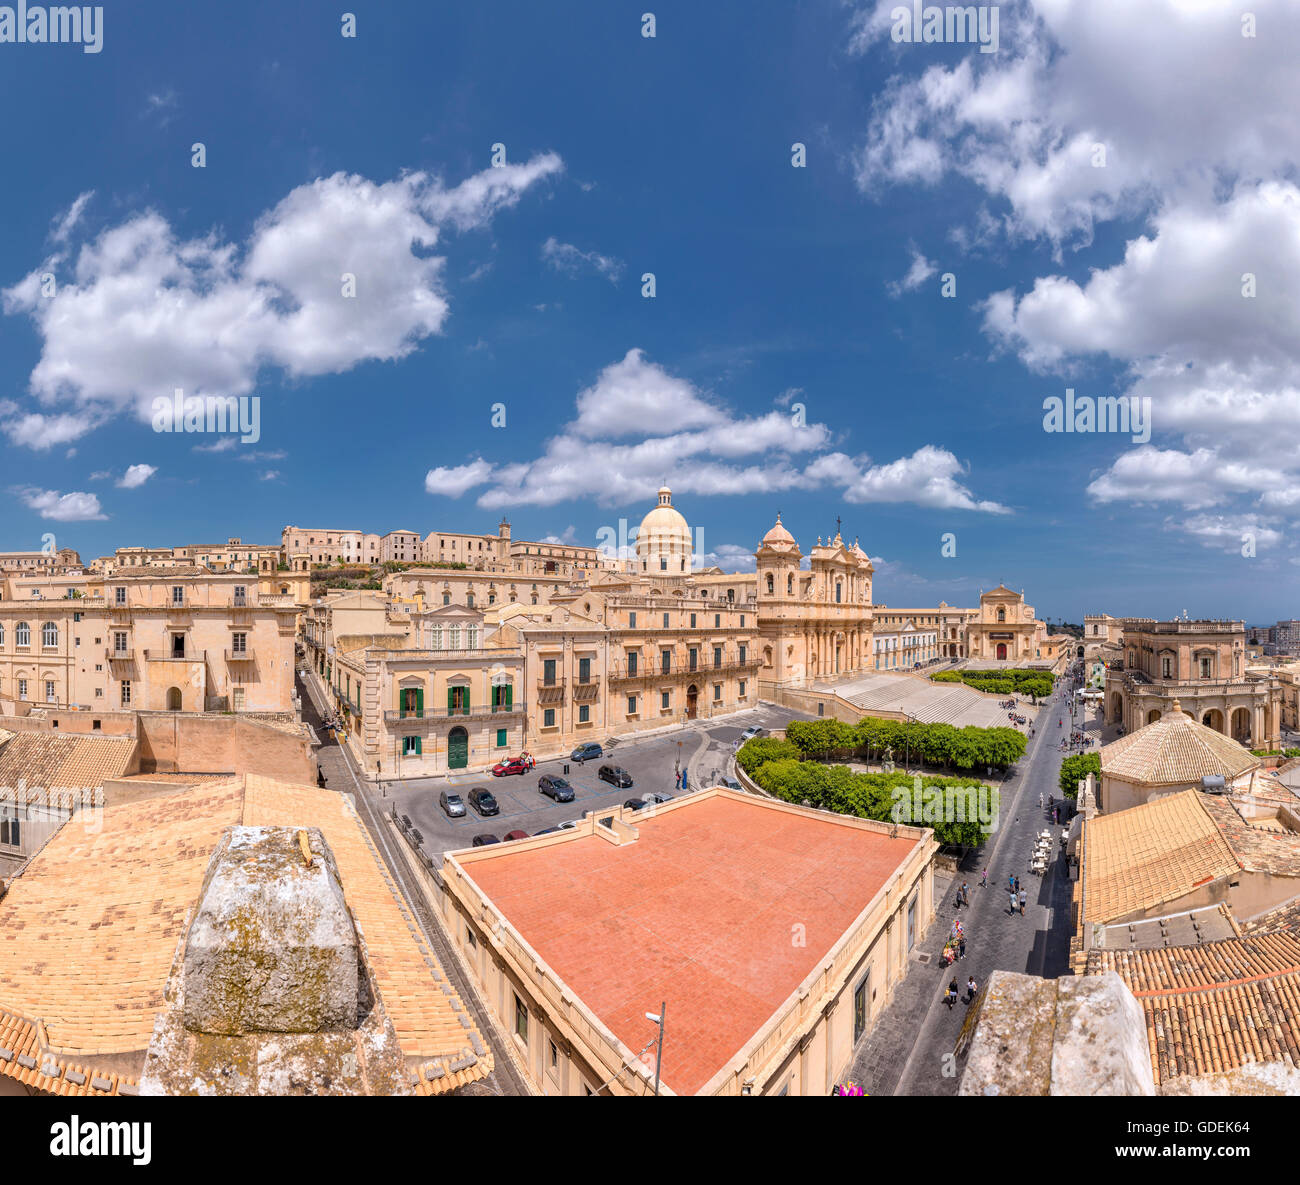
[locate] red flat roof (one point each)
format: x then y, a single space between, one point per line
701 911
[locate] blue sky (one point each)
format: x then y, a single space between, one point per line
776 287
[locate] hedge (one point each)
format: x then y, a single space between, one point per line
941 745
1011 681
866 795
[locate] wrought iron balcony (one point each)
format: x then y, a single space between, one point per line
551 693
425 715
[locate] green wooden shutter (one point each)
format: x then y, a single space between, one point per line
417 746
466 701
510 687
419 704
451 700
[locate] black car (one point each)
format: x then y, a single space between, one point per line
482 841
482 801
588 752
554 786
635 804
615 775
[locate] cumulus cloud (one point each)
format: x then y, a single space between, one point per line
638 426
65 508
565 257
143 310
136 476
1025 124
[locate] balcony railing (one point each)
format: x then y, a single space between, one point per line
120 655
585 690
418 715
680 667
239 656
167 656
551 693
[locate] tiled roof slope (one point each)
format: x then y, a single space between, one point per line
1138 859
47 760
1259 849
1174 750
1214 1008
108 908
1283 917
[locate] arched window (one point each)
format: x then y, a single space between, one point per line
771 584
49 635
22 634
2 635
789 585
1002 615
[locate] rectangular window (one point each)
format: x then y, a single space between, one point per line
521 1020
692 621
584 670
631 621
119 642
717 656
178 594
694 658
665 699
503 737
742 689
238 693
631 662
239 643
555 1057
717 620
410 746
666 660
665 621
548 717
119 596
741 652
860 1009
49 691
126 692
22 688
584 713
717 691
631 705
548 672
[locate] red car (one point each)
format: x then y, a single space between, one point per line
516 765
516 835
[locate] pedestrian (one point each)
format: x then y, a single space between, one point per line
1022 902
1056 814
1015 884
677 780
1012 894
951 997
1040 800
965 894
961 947
971 988
984 879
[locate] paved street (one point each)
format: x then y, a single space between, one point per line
702 747
907 1051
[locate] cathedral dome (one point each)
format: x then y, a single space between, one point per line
663 541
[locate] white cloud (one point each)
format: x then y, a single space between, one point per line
920 271
64 508
683 436
454 481
1231 532
1071 74
730 557
136 476
67 221
37 431
270 475
145 311
568 539
565 257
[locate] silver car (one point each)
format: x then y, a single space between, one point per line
452 804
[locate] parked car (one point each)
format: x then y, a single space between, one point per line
517 834
656 797
554 786
567 825
615 775
751 732
482 841
546 831
481 799
731 784
452 804
514 765
588 752
635 804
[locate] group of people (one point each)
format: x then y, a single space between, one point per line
955 947
950 996
1017 894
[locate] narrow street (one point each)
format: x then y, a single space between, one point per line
908 1050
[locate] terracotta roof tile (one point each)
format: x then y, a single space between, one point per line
1138 859
1174 750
